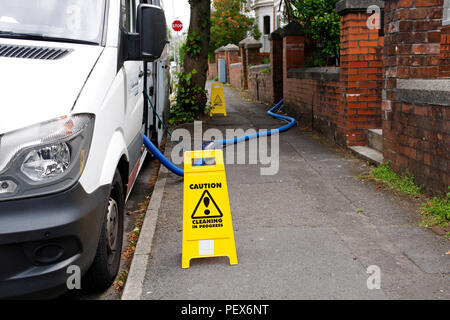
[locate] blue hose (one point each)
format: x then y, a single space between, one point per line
155 151
268 133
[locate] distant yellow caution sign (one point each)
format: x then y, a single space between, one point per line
207 225
217 99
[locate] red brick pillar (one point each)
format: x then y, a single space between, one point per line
361 72
231 56
254 56
250 56
276 64
293 47
293 56
244 66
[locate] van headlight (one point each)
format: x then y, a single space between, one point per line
44 158
47 162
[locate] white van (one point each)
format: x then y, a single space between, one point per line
72 115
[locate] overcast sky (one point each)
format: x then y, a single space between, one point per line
177 9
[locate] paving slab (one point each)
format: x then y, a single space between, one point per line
308 232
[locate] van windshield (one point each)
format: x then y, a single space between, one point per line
64 20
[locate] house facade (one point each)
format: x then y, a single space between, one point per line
268 15
264 15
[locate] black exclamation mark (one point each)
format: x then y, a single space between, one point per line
206 203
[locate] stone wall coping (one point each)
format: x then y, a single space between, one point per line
237 65
291 30
231 47
221 49
259 67
345 6
424 91
317 73
249 43
276 35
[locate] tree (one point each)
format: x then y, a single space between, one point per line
321 23
230 24
191 95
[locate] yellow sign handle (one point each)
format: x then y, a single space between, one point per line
190 156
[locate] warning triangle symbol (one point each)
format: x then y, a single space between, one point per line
218 101
206 208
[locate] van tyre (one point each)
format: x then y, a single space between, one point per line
104 269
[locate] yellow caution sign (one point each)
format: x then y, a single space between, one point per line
207 226
217 99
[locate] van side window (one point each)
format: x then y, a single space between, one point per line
128 15
125 11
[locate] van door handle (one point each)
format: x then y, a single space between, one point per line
141 74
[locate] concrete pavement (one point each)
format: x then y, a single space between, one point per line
309 232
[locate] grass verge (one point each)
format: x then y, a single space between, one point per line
436 211
405 183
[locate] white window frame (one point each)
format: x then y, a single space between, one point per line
446 15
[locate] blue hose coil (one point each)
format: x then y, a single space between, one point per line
268 133
169 165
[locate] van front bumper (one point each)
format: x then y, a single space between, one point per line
40 238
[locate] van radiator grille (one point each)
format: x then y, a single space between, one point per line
26 52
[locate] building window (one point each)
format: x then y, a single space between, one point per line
266 24
446 15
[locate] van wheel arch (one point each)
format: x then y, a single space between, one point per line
105 266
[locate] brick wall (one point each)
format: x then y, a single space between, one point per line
416 123
413 38
260 84
236 75
265 82
255 58
444 68
212 70
355 93
313 99
250 56
416 138
231 57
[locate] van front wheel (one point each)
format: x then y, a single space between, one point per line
105 267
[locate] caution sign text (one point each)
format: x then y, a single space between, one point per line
217 99
207 226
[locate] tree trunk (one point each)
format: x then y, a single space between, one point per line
196 57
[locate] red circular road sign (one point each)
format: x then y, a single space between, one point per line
177 25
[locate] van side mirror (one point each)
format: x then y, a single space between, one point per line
152 32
